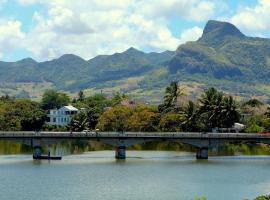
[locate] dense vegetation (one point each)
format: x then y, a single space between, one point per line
20 114
178 112
223 58
263 197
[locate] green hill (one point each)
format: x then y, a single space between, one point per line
223 57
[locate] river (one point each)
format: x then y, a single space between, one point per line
149 175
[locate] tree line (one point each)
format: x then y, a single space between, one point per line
177 112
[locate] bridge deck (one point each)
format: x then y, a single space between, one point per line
127 135
121 140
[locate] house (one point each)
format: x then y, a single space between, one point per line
236 128
61 116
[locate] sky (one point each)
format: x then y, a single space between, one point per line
47 29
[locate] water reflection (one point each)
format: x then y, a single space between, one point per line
78 147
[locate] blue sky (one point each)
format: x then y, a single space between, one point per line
45 30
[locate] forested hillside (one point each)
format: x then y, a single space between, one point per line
223 57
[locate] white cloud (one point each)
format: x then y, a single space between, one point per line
191 34
89 28
203 10
10 35
253 18
198 10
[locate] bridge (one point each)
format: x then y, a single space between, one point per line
121 140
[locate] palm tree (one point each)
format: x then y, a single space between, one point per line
79 122
210 108
119 97
81 96
217 109
190 117
172 93
229 113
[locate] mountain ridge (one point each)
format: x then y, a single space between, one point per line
223 56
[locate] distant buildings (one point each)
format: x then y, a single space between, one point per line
61 116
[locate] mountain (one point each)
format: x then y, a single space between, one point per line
130 63
227 59
72 73
222 57
224 52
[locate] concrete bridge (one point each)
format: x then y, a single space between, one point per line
122 140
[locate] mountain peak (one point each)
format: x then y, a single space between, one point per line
69 57
132 50
216 32
66 59
27 60
224 28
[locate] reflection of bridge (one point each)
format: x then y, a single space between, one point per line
202 141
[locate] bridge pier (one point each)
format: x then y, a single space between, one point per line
120 152
37 152
202 153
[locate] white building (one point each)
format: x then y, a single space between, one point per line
62 116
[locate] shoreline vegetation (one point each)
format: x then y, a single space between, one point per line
262 197
178 112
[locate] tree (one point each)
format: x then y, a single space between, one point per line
34 121
143 120
21 114
253 103
81 96
172 94
200 198
263 197
229 112
79 122
118 98
190 116
267 113
52 100
93 115
171 122
115 119
217 110
94 107
5 98
210 106
254 124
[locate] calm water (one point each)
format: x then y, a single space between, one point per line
149 175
